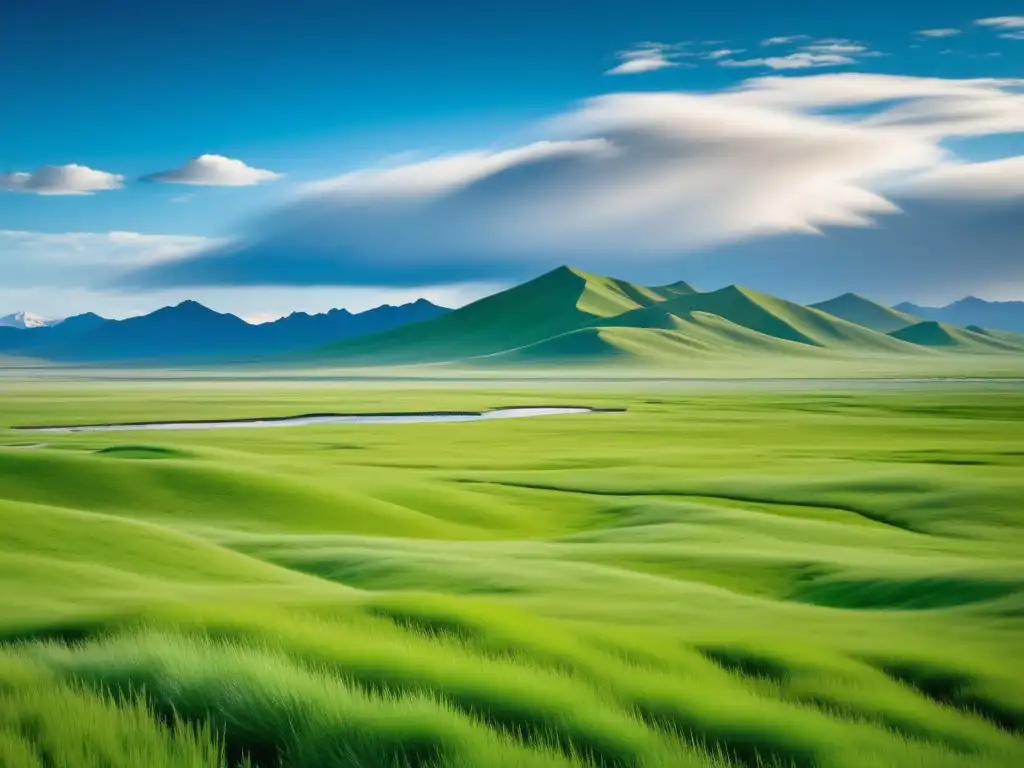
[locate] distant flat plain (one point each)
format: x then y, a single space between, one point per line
763 570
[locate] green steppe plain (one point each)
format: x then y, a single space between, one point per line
740 576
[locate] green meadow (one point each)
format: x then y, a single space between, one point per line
744 576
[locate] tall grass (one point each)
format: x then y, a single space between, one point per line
818 580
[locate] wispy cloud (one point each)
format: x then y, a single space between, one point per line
844 47
1002 22
75 259
824 52
647 57
1009 27
939 33
799 60
214 171
60 180
721 53
785 39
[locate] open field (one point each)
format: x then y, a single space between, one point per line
755 575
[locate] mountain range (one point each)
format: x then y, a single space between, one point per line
568 316
999 315
565 316
191 331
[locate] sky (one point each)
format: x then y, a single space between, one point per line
264 157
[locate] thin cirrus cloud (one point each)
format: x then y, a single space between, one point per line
939 33
663 176
60 180
827 52
722 53
1008 27
646 57
75 259
785 40
214 171
798 60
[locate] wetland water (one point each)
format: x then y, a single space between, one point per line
331 418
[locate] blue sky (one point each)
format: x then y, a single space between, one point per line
311 90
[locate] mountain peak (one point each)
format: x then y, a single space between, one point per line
191 304
25 320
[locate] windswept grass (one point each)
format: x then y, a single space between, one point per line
819 580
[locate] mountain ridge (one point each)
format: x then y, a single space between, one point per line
571 316
566 316
190 330
970 310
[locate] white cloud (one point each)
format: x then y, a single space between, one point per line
824 52
932 108
1009 27
785 39
646 57
835 176
799 60
1003 178
654 175
721 53
49 259
60 180
439 175
841 47
1002 22
214 171
939 33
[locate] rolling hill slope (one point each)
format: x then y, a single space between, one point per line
567 316
931 333
555 303
761 314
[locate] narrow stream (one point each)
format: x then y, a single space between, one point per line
331 418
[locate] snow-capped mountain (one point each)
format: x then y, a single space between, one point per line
25 320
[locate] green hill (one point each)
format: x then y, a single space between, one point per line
870 314
931 333
675 343
567 316
557 302
766 316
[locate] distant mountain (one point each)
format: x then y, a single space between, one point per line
998 315
188 330
570 316
857 309
191 331
563 317
25 320
299 329
77 324
14 339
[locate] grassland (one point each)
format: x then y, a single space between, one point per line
830 578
